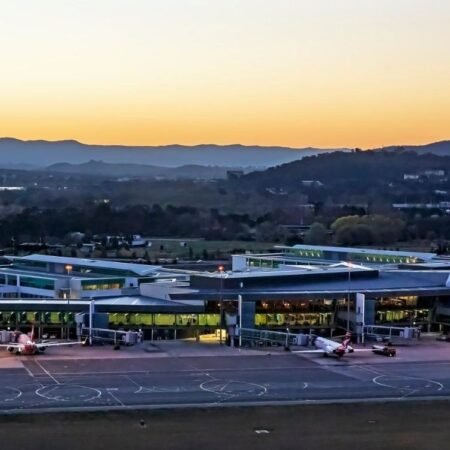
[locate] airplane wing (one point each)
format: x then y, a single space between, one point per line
308 351
57 344
11 345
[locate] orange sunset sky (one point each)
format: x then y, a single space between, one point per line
328 73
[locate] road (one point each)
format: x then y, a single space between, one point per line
128 383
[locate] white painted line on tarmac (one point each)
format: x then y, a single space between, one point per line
17 393
47 372
371 370
406 378
196 371
140 388
116 399
28 370
45 392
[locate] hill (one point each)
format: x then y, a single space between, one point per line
441 148
139 170
353 168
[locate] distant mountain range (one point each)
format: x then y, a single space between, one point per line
15 153
18 154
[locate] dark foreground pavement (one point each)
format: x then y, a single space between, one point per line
388 426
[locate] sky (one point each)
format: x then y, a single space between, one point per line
323 73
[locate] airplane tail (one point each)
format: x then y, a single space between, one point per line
347 340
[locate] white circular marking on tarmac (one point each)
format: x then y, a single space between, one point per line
407 383
233 388
157 389
68 393
8 394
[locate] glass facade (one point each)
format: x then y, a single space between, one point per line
407 310
318 313
262 262
38 283
13 318
367 257
163 320
294 320
102 284
103 270
30 264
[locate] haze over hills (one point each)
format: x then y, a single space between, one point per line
437 148
15 152
141 170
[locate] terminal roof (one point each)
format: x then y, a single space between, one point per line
370 251
138 269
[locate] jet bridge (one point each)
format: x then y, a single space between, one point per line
116 337
388 333
267 338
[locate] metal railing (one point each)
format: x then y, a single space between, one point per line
113 336
267 337
389 332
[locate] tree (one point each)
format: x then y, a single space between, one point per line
368 229
316 235
358 234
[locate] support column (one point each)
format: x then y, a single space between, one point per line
360 316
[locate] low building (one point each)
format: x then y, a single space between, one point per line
46 276
275 291
318 254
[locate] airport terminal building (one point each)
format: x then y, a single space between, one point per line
300 288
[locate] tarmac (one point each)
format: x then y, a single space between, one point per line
180 374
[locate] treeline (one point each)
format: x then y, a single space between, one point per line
43 225
40 224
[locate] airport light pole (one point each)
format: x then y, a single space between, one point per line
240 319
348 297
91 317
220 268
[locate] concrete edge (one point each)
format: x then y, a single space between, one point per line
178 406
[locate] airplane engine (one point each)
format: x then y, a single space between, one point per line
11 349
339 351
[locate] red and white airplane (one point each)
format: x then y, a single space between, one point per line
26 345
332 348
